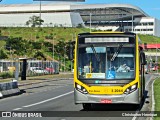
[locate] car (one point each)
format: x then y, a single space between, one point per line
50 70
155 68
38 70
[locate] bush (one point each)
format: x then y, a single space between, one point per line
49 37
37 37
6 75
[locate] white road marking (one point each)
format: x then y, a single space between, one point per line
48 99
17 109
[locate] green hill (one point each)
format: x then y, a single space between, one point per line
149 39
58 33
42 33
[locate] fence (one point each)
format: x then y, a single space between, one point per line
33 68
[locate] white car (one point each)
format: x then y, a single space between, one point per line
38 70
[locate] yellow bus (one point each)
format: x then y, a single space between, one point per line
108 69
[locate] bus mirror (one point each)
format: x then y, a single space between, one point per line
143 58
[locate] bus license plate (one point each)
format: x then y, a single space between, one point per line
106 101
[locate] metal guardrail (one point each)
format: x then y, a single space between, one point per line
33 68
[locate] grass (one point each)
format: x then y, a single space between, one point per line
149 39
40 78
41 33
157 96
51 76
59 33
5 80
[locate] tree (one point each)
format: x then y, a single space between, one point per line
34 21
39 55
3 54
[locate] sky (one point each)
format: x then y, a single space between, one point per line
151 7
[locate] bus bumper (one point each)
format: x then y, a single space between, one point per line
132 98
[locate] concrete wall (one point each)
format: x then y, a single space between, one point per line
65 19
76 19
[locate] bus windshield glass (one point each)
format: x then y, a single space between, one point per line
106 59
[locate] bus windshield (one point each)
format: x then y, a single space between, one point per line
106 61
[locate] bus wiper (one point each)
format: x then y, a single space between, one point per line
95 53
117 52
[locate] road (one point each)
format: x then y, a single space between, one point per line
58 96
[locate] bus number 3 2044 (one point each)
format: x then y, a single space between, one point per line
117 90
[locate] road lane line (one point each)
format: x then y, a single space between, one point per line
17 109
48 99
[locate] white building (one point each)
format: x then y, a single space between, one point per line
115 17
145 25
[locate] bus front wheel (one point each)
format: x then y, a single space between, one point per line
87 106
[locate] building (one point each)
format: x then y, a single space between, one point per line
113 17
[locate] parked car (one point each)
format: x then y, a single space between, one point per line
50 70
155 68
38 70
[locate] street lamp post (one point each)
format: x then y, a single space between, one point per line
132 23
64 58
40 10
90 16
53 48
40 4
156 59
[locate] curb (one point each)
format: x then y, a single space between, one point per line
153 100
43 81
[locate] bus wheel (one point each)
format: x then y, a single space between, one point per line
87 106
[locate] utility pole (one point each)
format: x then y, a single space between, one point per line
53 47
90 20
64 58
156 59
40 7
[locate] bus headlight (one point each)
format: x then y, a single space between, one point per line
81 88
131 89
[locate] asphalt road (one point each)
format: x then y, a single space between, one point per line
58 96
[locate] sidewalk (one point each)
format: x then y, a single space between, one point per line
40 79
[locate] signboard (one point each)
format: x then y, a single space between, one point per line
106 39
95 75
